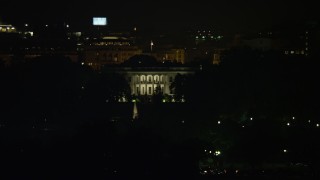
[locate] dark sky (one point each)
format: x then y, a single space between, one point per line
226 15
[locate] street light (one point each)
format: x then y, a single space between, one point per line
151 45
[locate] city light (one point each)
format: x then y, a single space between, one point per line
26 25
318 125
217 153
219 122
251 118
288 124
151 45
293 118
285 151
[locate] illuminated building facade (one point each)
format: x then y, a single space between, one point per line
109 50
146 80
7 29
175 55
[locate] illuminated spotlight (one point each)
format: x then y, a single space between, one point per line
205 150
82 63
288 124
210 152
251 119
219 122
67 26
285 151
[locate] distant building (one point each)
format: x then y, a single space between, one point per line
210 55
174 55
7 29
145 80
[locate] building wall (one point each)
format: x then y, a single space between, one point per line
99 56
177 55
144 81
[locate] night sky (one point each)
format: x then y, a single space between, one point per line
226 15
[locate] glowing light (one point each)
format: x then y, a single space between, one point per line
217 153
133 100
293 117
210 152
47 25
285 151
151 45
318 125
309 121
135 28
82 63
219 122
163 100
26 25
205 150
288 124
251 119
67 26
